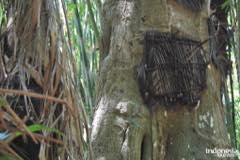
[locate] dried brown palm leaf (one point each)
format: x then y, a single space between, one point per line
41 75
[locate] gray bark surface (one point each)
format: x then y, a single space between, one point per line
123 127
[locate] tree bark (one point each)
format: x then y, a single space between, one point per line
124 128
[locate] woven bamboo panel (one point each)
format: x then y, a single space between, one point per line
173 69
195 5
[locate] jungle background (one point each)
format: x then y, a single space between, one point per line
80 32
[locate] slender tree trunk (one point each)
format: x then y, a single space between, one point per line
237 51
224 37
123 126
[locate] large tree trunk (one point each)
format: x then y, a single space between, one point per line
35 58
123 126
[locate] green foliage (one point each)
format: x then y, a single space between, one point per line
84 43
38 127
3 102
233 7
2 15
5 158
226 4
237 118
